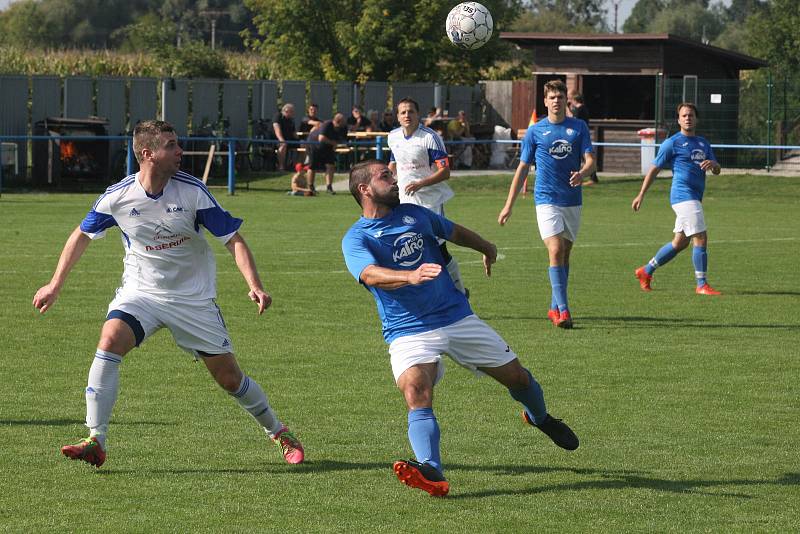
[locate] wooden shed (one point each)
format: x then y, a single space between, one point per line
632 81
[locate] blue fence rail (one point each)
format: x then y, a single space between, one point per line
378 145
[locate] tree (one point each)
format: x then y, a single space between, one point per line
773 33
369 40
571 16
690 20
642 14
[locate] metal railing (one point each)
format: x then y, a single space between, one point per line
378 145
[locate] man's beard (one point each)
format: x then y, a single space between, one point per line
391 199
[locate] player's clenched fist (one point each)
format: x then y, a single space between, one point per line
424 273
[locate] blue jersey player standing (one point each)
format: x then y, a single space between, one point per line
393 250
561 148
690 157
169 281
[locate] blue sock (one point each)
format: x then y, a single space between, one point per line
553 300
700 261
532 398
558 281
423 433
664 254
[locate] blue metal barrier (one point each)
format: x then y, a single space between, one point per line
377 144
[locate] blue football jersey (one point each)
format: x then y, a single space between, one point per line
404 240
557 150
683 154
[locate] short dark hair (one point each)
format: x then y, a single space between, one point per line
555 86
577 97
687 105
361 174
146 134
409 100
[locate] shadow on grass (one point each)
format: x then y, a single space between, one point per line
641 321
603 479
775 293
71 422
624 480
309 466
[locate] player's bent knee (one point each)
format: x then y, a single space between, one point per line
118 336
418 395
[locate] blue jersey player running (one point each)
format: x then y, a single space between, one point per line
562 150
690 157
393 250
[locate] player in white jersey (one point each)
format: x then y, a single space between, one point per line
169 280
419 160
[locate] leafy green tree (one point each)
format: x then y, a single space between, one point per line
773 33
642 14
550 15
549 21
369 40
692 19
149 33
688 19
20 25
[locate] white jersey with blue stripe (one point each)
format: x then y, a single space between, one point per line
418 156
166 254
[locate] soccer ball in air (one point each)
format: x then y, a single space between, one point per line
469 25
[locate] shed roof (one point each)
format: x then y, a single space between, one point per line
668 41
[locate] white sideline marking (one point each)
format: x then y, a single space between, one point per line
500 256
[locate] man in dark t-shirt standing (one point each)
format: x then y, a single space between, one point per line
321 149
283 129
578 109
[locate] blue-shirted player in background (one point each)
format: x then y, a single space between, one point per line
169 281
393 251
562 149
690 157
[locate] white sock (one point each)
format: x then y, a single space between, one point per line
101 393
455 274
253 399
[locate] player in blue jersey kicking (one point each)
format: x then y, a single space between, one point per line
393 251
561 148
690 157
169 281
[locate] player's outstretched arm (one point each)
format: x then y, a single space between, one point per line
465 237
516 186
385 278
74 248
247 266
649 178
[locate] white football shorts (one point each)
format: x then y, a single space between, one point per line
470 342
689 217
195 326
558 220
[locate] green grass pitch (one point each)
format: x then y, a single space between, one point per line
687 407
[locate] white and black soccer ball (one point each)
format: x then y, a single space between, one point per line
469 25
